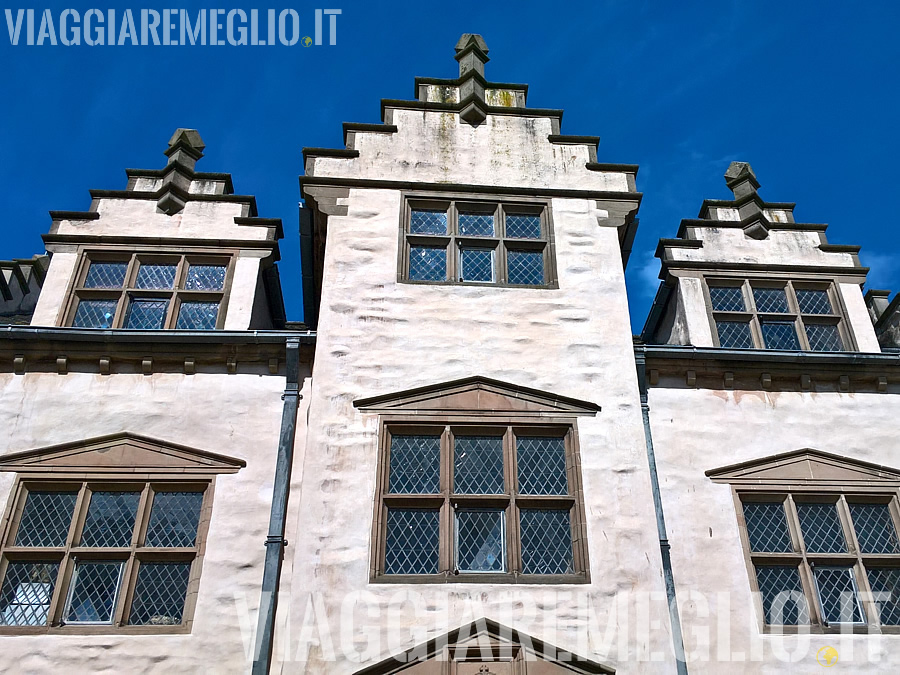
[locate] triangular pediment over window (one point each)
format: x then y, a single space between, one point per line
118 453
477 395
485 647
807 466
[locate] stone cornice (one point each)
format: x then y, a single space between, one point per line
184 171
675 366
458 107
176 242
250 200
112 351
741 224
376 184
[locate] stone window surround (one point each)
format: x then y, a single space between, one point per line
69 552
452 239
180 256
561 427
790 283
789 494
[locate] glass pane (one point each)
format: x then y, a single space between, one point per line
885 584
146 314
837 595
784 603
411 546
415 464
156 276
106 275
480 541
874 527
427 263
27 589
476 264
824 338
94 591
546 542
813 302
525 267
767 527
46 518
734 334
821 528
197 316
727 298
426 221
110 519
523 226
95 313
780 335
159 594
174 517
478 465
770 300
542 465
205 278
476 224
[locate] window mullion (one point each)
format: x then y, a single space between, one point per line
514 544
445 546
141 517
807 574
126 587
79 515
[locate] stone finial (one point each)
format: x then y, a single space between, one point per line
740 179
471 53
185 148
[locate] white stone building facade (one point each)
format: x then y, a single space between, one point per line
463 461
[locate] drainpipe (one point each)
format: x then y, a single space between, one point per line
664 548
275 541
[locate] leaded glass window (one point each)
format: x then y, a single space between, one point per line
462 501
95 542
478 465
480 540
26 592
546 541
415 464
149 292
784 602
824 559
788 315
476 242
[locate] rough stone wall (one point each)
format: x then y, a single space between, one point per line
439 147
378 336
707 555
234 415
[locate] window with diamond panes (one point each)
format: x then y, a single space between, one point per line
150 292
788 315
100 555
476 242
460 502
823 559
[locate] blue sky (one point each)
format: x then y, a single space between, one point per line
807 92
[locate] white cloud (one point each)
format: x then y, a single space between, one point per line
648 275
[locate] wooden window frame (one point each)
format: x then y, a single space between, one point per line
174 296
755 318
805 561
453 242
133 555
510 501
